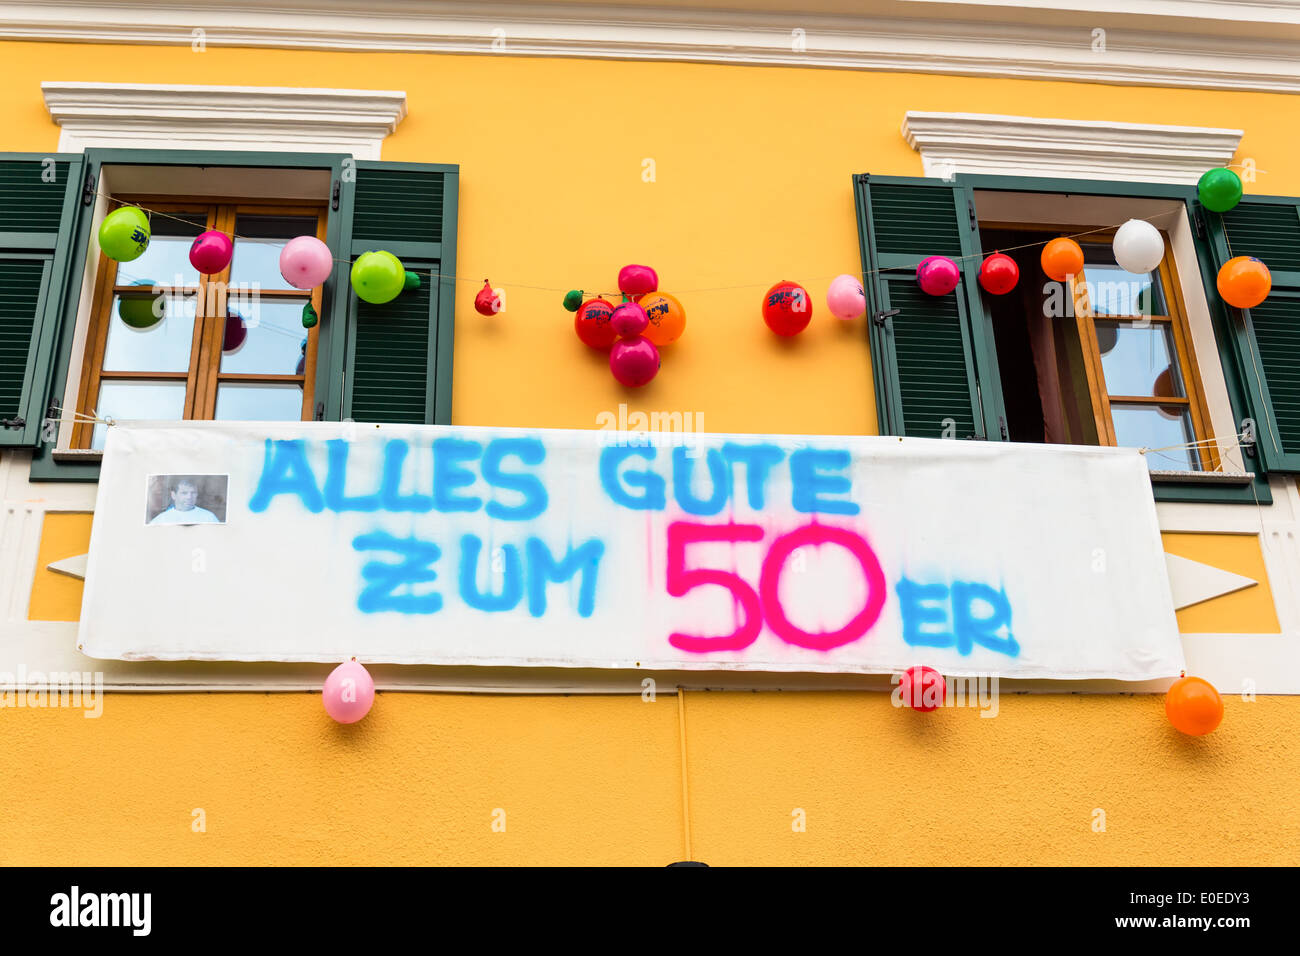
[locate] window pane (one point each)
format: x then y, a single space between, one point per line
259 402
138 401
1112 291
273 341
1139 360
257 250
162 347
167 260
1157 426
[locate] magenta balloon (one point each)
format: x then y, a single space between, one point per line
845 298
629 319
634 361
306 262
211 251
637 280
938 275
348 693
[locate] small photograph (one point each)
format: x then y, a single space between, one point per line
186 499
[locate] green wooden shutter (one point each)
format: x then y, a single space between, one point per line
1264 342
40 203
935 362
395 365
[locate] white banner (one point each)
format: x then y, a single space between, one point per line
318 541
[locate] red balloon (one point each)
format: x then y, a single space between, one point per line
923 688
592 324
787 308
236 332
999 274
487 302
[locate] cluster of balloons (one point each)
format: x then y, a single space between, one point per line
633 331
349 692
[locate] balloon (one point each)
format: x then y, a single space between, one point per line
1138 247
1193 706
410 280
378 277
922 688
787 308
1061 259
667 318
635 280
1219 189
999 274
592 324
309 316
573 300
305 262
349 692
139 312
629 319
124 234
211 252
845 298
487 302
236 332
938 275
1244 282
634 361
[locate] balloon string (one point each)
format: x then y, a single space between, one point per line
695 291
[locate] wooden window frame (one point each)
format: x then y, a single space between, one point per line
204 374
1086 329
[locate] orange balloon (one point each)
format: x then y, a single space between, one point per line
667 317
1061 259
1193 706
1244 282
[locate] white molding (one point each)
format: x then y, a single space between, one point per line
1066 148
1203 45
1191 582
223 117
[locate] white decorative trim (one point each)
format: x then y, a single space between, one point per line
73 567
1072 149
223 117
1154 47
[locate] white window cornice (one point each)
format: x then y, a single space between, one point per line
223 117
1063 148
1212 44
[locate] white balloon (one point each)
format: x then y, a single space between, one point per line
1138 247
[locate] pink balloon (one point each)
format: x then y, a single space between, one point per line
634 361
349 692
845 298
636 280
306 262
629 319
211 251
938 275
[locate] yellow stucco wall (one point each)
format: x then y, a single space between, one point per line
752 170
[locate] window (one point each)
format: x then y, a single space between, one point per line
1186 370
191 346
1084 363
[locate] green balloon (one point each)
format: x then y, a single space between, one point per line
573 300
309 316
124 234
1219 190
142 312
378 277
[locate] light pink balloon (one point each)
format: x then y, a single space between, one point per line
306 262
211 251
938 275
845 298
348 693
